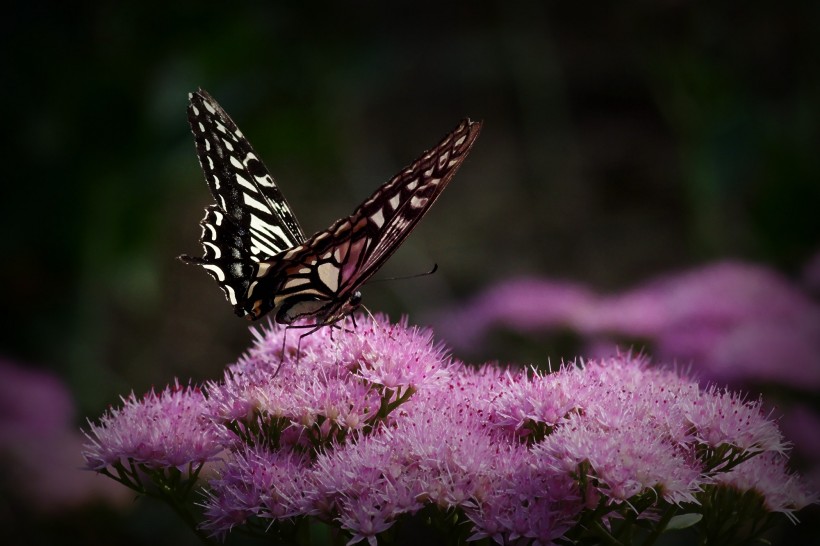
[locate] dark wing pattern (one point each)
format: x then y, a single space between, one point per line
320 279
251 220
255 249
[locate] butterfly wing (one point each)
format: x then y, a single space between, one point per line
251 220
324 273
405 199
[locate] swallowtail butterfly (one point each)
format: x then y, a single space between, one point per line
256 250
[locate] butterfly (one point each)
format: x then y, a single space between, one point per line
258 254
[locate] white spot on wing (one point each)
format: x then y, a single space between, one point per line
258 247
265 180
253 203
220 275
418 202
329 274
245 183
264 230
262 270
377 218
296 281
394 201
230 293
216 249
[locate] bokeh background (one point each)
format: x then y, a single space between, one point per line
620 142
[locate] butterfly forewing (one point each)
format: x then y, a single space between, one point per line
334 263
395 208
251 220
239 182
255 248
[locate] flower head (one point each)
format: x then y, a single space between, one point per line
767 474
723 417
162 430
364 427
256 482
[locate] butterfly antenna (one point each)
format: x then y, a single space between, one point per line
366 310
405 277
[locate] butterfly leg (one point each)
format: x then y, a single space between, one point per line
282 354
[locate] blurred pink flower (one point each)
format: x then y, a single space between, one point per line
811 274
732 322
41 445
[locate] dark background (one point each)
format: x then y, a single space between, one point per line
620 142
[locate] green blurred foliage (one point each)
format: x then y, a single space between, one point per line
620 140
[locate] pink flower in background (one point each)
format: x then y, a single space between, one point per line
811 274
40 444
732 322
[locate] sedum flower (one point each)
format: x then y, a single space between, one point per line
370 426
723 417
781 490
626 460
165 430
256 482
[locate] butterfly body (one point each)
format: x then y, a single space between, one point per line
255 249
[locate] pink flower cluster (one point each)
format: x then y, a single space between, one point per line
363 426
165 430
